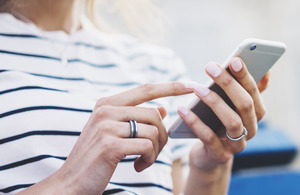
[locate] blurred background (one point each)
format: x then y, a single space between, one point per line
209 30
200 31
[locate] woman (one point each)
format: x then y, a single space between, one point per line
56 66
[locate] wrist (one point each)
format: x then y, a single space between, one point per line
50 185
213 180
79 180
213 173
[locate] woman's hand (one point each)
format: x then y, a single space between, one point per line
105 140
211 158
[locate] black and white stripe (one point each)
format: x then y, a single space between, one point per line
44 105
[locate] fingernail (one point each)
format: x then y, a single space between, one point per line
190 85
202 90
236 65
183 110
213 69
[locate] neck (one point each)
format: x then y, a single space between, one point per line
48 15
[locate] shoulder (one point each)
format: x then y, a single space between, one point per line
159 62
9 24
124 43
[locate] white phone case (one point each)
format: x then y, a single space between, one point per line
259 56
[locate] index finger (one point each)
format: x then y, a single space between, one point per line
147 92
247 82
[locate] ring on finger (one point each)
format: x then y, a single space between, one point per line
133 129
245 133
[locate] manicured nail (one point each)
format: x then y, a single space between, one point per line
190 85
213 69
236 64
202 90
183 110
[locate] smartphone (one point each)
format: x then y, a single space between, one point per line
259 56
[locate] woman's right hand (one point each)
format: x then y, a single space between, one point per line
105 140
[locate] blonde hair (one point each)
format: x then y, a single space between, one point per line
141 18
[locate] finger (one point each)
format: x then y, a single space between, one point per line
146 93
162 111
141 147
237 94
240 72
230 119
203 132
123 130
263 83
150 116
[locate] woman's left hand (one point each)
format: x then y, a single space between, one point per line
241 88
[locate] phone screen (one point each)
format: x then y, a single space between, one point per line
206 114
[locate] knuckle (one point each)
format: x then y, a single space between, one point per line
252 89
104 126
224 157
227 81
148 146
101 112
148 89
213 100
164 137
252 132
261 113
192 122
241 147
175 86
155 113
154 131
108 145
111 148
235 124
209 139
247 105
102 101
251 135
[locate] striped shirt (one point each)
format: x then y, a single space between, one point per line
46 102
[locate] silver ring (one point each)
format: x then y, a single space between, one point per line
133 129
245 133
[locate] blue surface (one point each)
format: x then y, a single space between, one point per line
280 183
269 147
268 141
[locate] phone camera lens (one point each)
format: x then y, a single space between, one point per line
253 47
